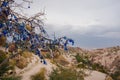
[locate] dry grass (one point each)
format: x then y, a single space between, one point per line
12 47
61 60
65 74
21 63
2 41
108 78
40 75
6 66
22 60
26 54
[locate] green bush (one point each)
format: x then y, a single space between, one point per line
65 74
78 58
2 56
116 75
4 68
98 67
12 78
83 61
81 66
2 41
48 56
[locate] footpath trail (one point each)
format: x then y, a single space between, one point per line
35 67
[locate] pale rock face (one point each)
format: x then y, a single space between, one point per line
108 57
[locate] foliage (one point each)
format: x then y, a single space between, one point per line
40 75
26 54
12 78
6 66
65 74
21 63
78 58
22 60
2 56
84 62
61 60
2 40
98 67
81 65
108 77
47 56
116 75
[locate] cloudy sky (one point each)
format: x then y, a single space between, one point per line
91 23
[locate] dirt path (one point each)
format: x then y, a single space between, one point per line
34 68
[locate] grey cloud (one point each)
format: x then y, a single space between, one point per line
91 23
96 37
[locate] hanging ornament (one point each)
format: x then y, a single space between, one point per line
28 1
28 4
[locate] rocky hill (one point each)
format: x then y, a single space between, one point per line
97 64
108 57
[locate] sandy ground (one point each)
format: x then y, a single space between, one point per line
34 68
95 75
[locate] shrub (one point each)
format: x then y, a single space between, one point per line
116 75
2 56
65 74
12 78
81 66
83 61
61 60
40 75
98 67
108 78
2 41
5 67
47 56
21 63
78 58
26 54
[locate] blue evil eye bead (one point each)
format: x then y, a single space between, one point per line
24 37
15 18
42 39
65 47
28 6
4 32
0 9
44 62
4 4
70 40
6 12
41 57
37 52
1 25
64 37
43 31
0 35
